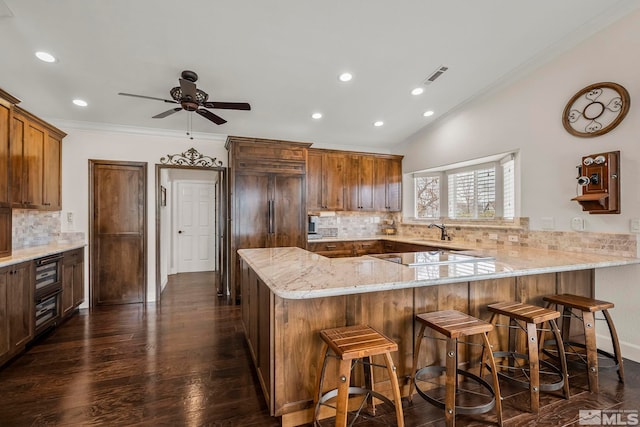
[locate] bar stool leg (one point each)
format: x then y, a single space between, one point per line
616 344
563 357
369 384
412 381
451 382
397 399
494 375
534 367
343 393
592 351
320 374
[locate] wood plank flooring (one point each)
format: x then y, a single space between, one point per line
185 363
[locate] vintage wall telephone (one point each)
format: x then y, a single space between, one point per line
598 185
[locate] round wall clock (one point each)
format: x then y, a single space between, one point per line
596 109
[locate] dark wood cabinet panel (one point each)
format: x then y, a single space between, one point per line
20 305
388 185
72 281
268 197
361 183
332 249
326 180
4 315
368 247
5 231
35 149
5 170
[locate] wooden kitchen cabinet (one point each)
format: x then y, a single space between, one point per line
16 309
267 201
388 184
5 232
332 249
6 102
367 247
361 183
35 148
72 280
326 180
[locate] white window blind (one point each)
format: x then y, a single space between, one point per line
472 193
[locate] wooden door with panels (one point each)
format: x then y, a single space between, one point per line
117 232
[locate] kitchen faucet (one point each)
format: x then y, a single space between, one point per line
443 231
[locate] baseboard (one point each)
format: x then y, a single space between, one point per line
629 350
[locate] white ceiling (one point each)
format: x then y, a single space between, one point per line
283 57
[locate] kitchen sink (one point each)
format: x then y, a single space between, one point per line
415 259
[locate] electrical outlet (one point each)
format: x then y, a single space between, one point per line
634 226
513 238
577 224
493 236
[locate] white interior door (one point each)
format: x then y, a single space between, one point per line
196 232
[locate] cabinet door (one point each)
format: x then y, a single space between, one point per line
67 285
5 231
361 183
5 195
52 151
33 159
388 185
252 211
21 305
78 280
314 181
288 216
4 318
334 169
17 136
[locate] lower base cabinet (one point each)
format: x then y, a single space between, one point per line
72 281
16 309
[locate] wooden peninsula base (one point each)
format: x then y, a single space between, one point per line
285 346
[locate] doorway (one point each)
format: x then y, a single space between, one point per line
191 223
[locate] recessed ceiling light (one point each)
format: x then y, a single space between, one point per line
345 77
428 113
378 123
80 102
316 116
417 91
45 56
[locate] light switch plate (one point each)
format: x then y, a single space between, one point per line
577 224
634 225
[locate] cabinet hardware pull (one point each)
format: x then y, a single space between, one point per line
331 246
270 209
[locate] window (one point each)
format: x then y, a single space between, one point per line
484 190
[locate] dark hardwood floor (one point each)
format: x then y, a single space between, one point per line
185 363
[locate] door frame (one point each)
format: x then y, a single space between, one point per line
222 220
143 165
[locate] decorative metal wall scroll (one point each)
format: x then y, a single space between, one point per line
596 109
191 157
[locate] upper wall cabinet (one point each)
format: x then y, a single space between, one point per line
388 187
6 102
326 180
375 182
36 149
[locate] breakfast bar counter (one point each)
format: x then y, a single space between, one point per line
289 294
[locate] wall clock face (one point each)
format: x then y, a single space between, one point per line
596 109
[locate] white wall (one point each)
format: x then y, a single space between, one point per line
526 116
82 144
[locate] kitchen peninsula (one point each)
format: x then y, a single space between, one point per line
290 294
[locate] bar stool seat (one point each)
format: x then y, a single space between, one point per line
587 308
531 316
351 344
454 325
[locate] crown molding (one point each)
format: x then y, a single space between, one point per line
134 130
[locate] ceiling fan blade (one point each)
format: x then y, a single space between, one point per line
148 97
228 105
188 89
167 113
209 115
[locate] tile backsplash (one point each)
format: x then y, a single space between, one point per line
514 233
35 228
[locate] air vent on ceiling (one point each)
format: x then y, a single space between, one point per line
437 73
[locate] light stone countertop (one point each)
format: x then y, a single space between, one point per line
33 252
295 273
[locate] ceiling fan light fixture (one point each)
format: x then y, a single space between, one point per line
45 56
177 95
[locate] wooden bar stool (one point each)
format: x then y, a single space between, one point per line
352 344
526 318
454 325
587 307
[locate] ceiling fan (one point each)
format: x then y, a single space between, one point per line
192 99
